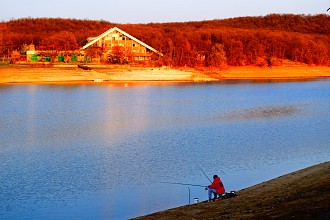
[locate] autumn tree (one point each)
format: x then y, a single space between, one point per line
120 55
24 48
63 40
217 56
5 41
92 52
245 41
234 51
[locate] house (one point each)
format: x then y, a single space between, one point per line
117 46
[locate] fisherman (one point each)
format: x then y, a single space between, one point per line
216 188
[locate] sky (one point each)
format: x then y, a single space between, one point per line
147 11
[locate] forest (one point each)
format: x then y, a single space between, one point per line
243 41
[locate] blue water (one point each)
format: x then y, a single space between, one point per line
101 151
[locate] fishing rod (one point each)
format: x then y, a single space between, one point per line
184 184
204 174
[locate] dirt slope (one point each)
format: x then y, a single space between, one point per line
304 194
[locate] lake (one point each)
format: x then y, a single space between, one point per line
104 151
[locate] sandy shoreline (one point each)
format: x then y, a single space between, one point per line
71 73
304 194
18 74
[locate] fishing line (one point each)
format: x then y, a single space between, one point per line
184 184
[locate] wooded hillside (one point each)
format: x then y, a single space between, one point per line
265 40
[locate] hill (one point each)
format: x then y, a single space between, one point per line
259 41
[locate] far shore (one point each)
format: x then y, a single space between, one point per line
304 194
115 73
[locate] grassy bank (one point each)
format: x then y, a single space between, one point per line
304 194
71 73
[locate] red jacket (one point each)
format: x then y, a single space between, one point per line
218 186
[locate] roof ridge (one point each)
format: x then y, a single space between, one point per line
124 33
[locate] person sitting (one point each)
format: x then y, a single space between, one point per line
216 188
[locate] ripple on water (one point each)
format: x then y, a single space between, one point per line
263 112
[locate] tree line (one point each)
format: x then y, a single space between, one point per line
260 41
